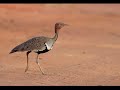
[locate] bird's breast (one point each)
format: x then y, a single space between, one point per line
49 44
49 47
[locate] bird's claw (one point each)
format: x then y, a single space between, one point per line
26 69
44 74
40 58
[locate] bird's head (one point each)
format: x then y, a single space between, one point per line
59 25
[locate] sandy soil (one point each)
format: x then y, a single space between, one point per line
86 53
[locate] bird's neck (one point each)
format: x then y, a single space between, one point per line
56 35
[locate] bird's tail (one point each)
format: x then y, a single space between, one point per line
12 51
17 48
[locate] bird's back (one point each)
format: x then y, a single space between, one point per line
36 43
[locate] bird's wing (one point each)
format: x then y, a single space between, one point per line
36 43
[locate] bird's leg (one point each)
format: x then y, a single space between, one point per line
37 61
27 61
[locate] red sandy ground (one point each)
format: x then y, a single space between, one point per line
86 53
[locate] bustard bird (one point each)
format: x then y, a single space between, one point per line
39 45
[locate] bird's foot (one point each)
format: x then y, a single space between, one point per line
26 69
40 58
44 73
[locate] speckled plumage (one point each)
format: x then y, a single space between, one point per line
38 44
